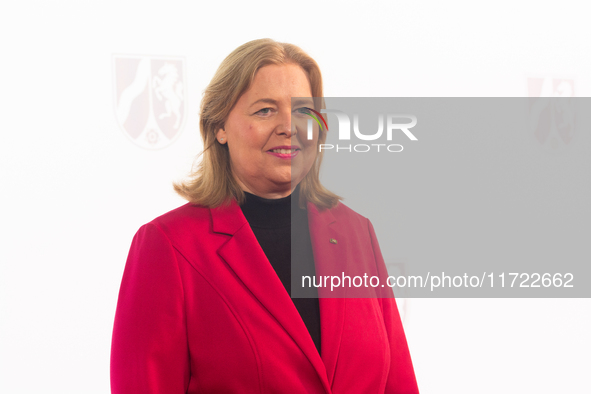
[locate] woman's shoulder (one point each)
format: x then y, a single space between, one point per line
342 212
181 220
343 209
184 213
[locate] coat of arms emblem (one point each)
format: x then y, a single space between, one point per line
552 111
150 104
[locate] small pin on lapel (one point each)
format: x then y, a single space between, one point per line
333 241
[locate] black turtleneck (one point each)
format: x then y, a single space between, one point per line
281 228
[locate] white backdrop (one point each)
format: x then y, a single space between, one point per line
75 187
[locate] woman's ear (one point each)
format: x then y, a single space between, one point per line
221 136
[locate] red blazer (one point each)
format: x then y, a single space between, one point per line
201 310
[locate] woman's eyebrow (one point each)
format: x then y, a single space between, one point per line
304 101
265 100
297 101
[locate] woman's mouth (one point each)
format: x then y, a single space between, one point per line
284 152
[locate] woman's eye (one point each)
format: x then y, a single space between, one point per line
303 110
264 111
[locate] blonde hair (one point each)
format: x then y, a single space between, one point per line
212 184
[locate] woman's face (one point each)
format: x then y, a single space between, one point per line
269 155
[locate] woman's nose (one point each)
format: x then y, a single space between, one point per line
285 125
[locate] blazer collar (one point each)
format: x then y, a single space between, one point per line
242 251
227 219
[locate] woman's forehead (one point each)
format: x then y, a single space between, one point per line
279 82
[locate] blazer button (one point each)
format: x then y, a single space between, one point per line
333 241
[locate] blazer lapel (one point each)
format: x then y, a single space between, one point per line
324 232
246 258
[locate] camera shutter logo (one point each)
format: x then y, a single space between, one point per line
150 98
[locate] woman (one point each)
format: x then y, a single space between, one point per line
205 306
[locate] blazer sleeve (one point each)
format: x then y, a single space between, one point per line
401 378
149 350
